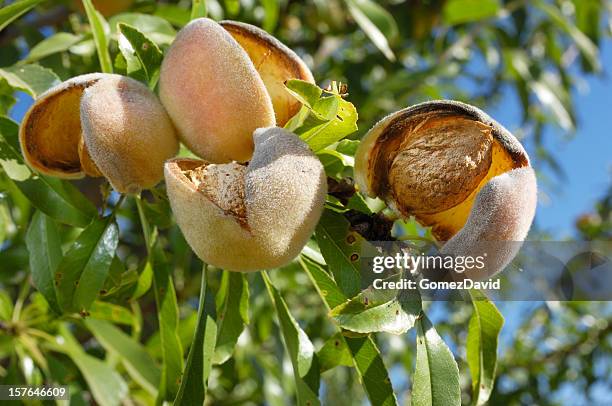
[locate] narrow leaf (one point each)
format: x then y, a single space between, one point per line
466 11
232 310
134 44
366 356
334 353
199 361
105 384
15 10
378 310
138 363
58 199
341 249
198 9
83 270
168 318
372 371
377 23
436 376
300 348
31 78
483 333
43 242
58 42
325 285
100 30
111 312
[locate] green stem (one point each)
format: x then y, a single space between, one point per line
198 9
199 361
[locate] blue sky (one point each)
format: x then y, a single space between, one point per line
586 155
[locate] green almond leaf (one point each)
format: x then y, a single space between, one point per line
306 92
100 30
436 376
111 312
483 334
57 199
6 306
379 310
137 362
324 283
271 13
366 356
31 78
348 147
43 242
174 14
300 348
145 280
587 48
168 318
333 163
232 7
58 42
198 9
133 43
467 11
15 10
318 134
232 310
334 353
199 361
377 23
154 27
341 249
105 384
83 270
372 371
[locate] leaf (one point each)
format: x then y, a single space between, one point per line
201 352
333 162
105 384
587 48
57 199
341 249
43 242
377 23
271 13
300 348
99 29
325 117
372 371
334 353
379 310
324 284
366 356
483 334
111 312
232 310
58 42
83 270
32 78
307 93
154 27
168 318
137 362
6 306
148 56
467 11
198 9
436 376
15 10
